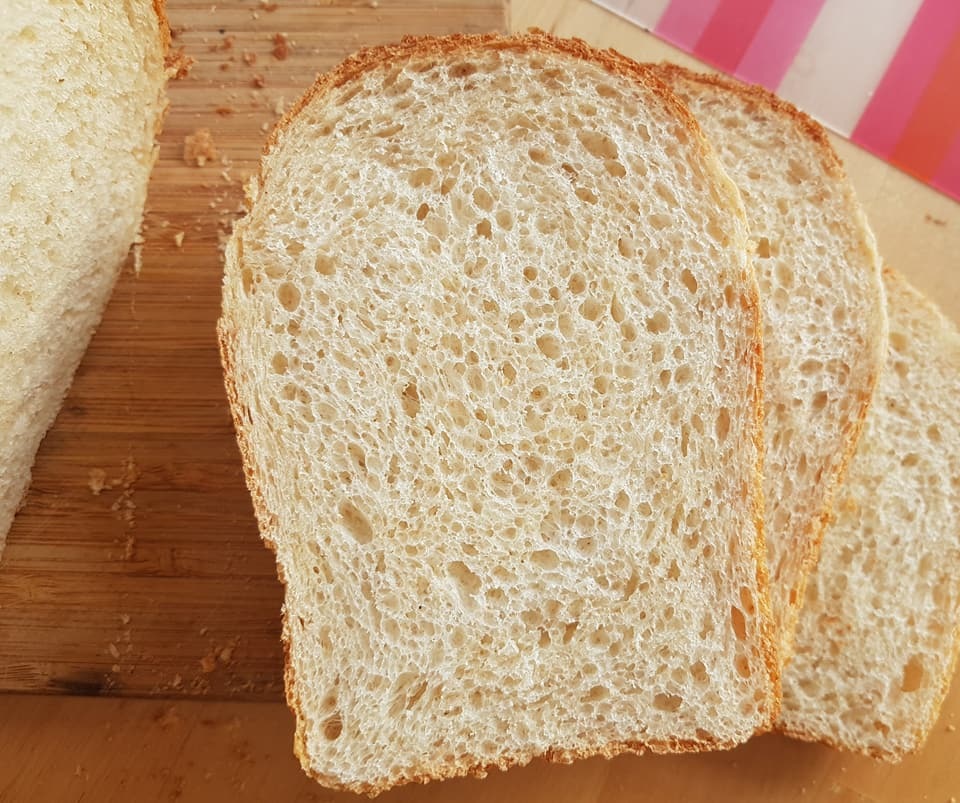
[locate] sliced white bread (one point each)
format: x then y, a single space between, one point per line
879 632
491 340
823 311
81 103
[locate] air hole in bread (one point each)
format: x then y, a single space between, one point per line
279 363
625 247
591 309
615 168
540 156
742 665
667 702
421 177
468 583
784 274
422 211
763 248
586 195
658 323
912 675
550 346
333 727
598 145
484 229
545 559
355 522
483 199
324 265
819 401
738 623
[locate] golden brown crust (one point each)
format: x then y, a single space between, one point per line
534 41
832 166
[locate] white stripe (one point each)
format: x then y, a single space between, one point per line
844 57
645 13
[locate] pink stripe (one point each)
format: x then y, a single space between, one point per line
731 30
684 21
778 41
911 69
947 178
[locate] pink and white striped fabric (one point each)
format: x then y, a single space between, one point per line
885 73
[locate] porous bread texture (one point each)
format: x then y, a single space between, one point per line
823 308
879 631
491 340
81 103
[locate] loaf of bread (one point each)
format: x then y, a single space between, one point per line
879 631
491 340
823 310
81 103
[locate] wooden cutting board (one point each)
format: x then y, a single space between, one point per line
158 583
197 598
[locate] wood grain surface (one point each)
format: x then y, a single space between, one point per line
184 603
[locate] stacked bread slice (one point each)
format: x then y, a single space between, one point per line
492 340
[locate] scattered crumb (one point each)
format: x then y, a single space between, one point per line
227 43
249 58
204 631
279 106
934 220
258 81
951 728
374 4
264 127
177 681
208 663
224 67
178 239
268 6
225 655
124 618
281 47
224 111
124 507
138 242
177 64
199 147
113 650
97 480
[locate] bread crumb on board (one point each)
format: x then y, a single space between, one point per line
178 239
951 728
96 481
199 148
281 47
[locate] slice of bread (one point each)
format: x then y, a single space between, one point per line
823 310
491 340
81 102
880 628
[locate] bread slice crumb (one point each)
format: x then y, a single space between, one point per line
281 47
199 147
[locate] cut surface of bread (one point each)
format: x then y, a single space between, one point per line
81 102
491 340
823 311
879 631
